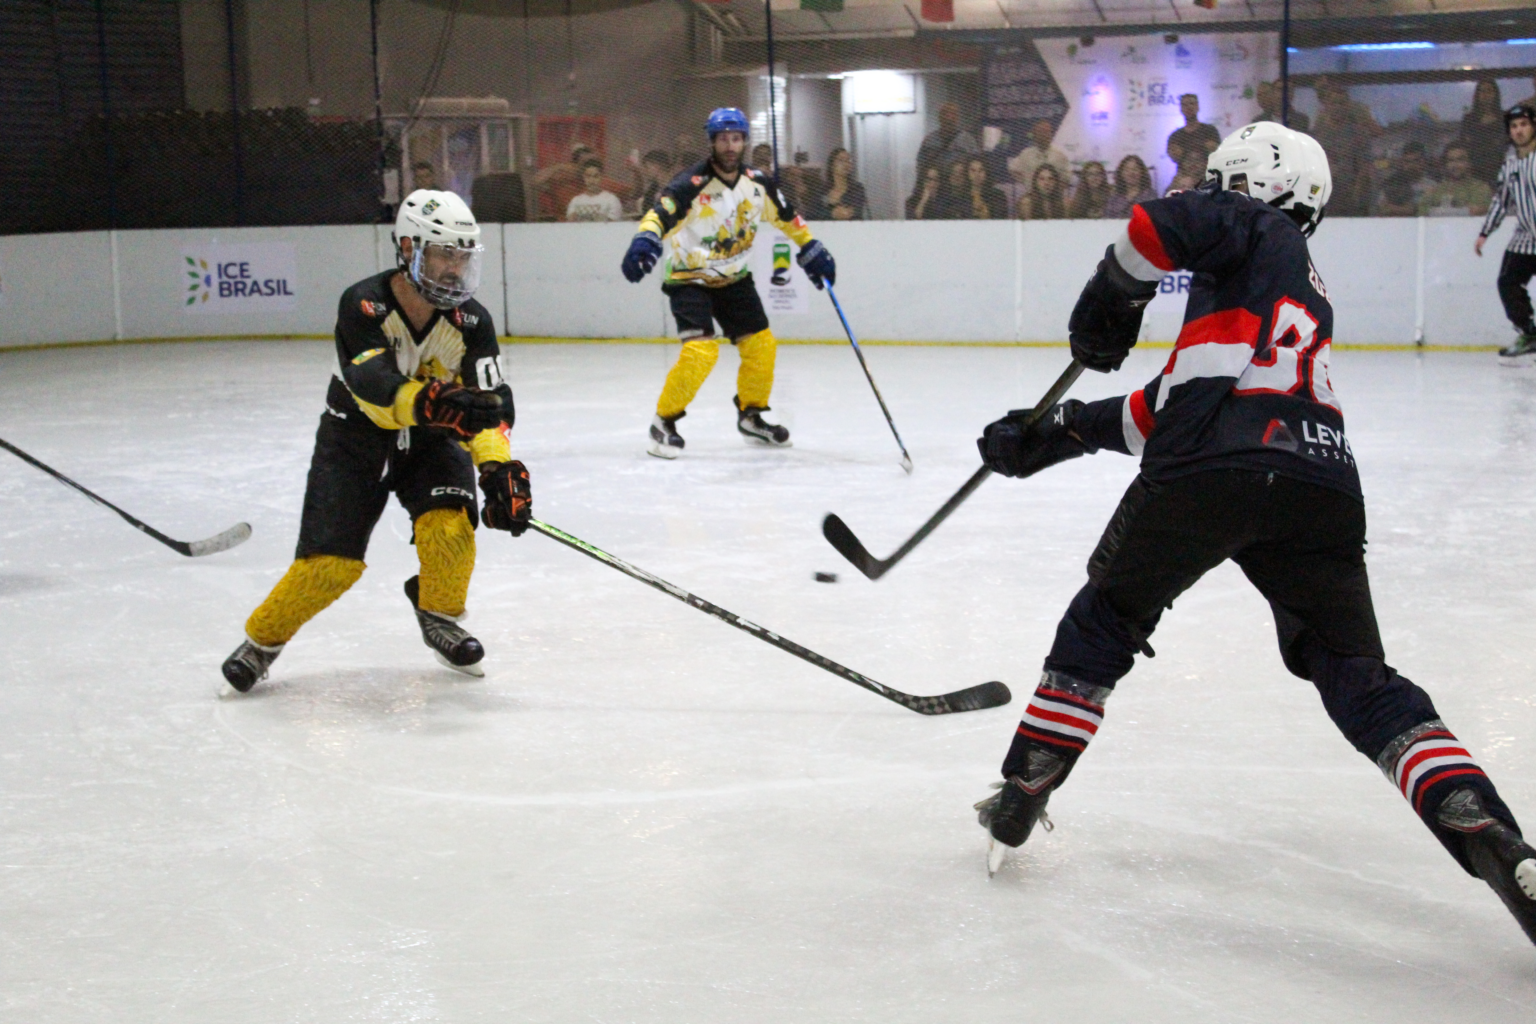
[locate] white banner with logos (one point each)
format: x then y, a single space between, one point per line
781 284
253 277
1124 91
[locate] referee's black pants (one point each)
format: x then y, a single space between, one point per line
1514 274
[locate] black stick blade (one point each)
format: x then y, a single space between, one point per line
840 537
972 698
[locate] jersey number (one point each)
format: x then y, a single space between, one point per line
1295 362
488 369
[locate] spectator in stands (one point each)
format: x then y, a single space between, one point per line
980 199
1402 189
559 183
1091 194
1133 184
947 142
1269 96
844 197
656 170
1345 129
1039 153
593 203
762 157
1482 131
422 175
801 186
1190 145
1045 199
1458 193
1530 101
1182 181
924 202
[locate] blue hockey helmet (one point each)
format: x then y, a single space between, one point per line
726 119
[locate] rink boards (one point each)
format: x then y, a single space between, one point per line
1392 282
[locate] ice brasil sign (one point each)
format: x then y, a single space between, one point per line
253 277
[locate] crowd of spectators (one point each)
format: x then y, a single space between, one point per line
956 180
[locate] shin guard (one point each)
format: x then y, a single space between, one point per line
754 381
308 587
687 375
445 544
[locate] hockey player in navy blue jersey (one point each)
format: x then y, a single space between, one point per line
1243 456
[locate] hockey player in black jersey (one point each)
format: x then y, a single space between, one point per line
1243 456
417 404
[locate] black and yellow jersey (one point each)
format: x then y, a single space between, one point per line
383 362
711 225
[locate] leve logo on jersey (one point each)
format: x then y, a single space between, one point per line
371 308
668 205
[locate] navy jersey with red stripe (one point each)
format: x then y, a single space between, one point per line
1246 386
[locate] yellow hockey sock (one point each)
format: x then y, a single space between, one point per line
687 376
445 543
309 585
754 381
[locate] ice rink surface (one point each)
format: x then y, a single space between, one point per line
642 815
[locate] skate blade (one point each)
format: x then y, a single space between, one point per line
663 451
469 670
758 442
1525 877
996 851
1518 362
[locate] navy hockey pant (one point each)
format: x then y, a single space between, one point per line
1514 274
1303 547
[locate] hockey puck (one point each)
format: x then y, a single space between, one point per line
826 577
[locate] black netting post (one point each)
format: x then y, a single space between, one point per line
378 102
106 112
1285 64
773 120
234 112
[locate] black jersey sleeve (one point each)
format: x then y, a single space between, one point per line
366 357
1202 230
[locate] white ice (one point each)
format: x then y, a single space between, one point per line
643 815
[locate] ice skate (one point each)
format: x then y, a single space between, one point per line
1009 816
1522 352
450 642
756 430
248 665
666 442
1502 859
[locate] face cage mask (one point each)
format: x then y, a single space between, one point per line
458 284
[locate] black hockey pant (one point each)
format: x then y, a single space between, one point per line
1514 274
1303 547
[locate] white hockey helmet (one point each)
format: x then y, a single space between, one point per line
444 263
1277 165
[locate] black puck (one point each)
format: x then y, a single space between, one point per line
826 577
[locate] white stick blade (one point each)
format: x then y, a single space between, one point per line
232 537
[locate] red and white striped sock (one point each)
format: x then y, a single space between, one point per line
1423 758
1064 713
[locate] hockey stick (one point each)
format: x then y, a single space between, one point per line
837 533
906 460
972 698
237 534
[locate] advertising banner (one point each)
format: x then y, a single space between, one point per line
255 277
781 284
1124 91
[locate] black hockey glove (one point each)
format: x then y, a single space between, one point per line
644 251
818 264
453 407
508 498
1008 448
1107 316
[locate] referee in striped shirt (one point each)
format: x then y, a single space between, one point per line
1516 189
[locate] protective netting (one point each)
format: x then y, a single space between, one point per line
178 113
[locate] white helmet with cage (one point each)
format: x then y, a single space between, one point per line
1277 165
444 261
